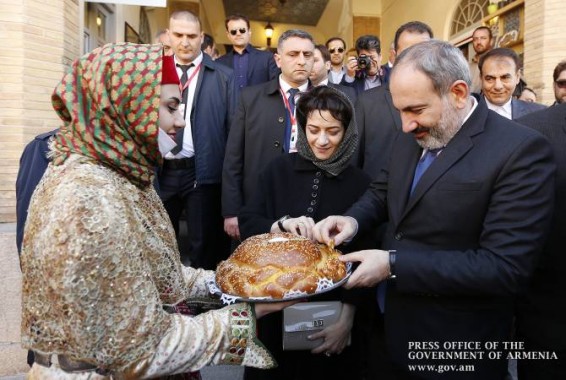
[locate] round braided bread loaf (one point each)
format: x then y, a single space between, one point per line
270 265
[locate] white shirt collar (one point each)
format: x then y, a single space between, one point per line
504 110
286 87
474 106
323 82
197 61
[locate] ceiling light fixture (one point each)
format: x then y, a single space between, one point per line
268 33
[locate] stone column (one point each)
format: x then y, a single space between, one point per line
545 44
39 39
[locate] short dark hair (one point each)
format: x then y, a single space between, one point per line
293 33
207 41
484 28
185 15
368 42
324 52
519 88
335 39
324 98
415 27
500 52
236 17
558 69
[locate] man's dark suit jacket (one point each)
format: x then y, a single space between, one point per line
33 164
359 83
542 314
256 137
378 125
520 108
466 239
261 65
348 91
213 106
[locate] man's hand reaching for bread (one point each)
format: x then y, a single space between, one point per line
338 228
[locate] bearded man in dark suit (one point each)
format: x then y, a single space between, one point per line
468 196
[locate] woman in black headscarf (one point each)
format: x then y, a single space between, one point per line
296 191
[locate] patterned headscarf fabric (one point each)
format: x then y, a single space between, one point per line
109 103
340 159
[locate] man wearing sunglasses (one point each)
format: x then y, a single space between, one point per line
559 77
337 48
251 66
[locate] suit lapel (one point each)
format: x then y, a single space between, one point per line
450 155
394 113
251 62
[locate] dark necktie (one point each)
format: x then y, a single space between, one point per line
184 97
425 161
288 125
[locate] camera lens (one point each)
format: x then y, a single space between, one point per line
363 62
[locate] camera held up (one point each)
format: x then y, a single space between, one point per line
364 62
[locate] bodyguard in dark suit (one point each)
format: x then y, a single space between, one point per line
500 74
541 316
378 120
251 66
468 206
33 163
191 174
264 125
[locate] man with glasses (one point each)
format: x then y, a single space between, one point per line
559 77
251 66
364 71
337 48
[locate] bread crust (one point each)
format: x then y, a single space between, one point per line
273 264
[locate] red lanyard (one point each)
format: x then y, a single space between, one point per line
288 107
188 82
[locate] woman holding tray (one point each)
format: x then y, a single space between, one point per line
296 191
100 261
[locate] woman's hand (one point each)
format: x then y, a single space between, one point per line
302 226
336 336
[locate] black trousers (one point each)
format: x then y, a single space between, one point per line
205 243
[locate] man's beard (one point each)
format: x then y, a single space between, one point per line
448 125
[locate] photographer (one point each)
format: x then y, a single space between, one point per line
364 72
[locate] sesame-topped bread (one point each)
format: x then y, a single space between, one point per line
270 265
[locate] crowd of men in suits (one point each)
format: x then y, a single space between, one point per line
465 242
